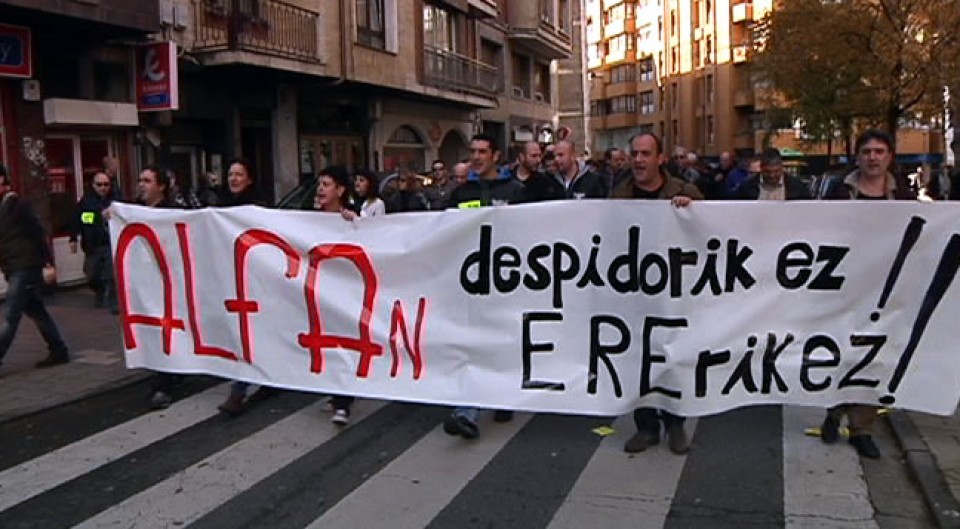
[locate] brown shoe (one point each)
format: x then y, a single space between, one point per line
233 405
640 442
51 361
677 439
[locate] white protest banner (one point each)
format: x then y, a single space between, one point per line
590 307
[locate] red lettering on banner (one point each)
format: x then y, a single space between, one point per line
199 348
316 340
398 321
243 306
167 323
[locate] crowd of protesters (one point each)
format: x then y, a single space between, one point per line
641 170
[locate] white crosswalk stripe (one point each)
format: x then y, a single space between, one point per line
823 486
190 494
427 478
36 476
438 464
616 490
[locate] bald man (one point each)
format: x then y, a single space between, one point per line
578 180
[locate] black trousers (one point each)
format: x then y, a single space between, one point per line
648 419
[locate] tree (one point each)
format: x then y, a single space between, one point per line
841 62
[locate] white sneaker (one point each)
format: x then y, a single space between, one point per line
341 417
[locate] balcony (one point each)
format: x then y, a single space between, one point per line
537 31
743 98
614 28
485 8
267 27
742 13
451 71
741 53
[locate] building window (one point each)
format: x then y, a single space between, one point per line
439 28
710 132
646 103
521 75
674 95
696 53
370 24
710 90
541 82
647 72
492 53
546 11
563 18
674 133
675 59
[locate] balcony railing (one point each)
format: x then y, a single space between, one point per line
452 71
269 27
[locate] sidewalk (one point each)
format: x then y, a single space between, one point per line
93 336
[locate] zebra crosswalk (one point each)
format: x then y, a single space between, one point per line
284 465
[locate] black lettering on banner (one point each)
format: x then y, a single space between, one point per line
706 360
481 259
600 351
529 318
539 279
770 357
563 273
825 280
678 259
626 261
820 341
875 343
506 258
653 260
785 261
591 275
709 273
743 371
736 271
648 358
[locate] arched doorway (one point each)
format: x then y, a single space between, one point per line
453 148
404 148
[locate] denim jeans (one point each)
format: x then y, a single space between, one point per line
24 297
470 414
98 268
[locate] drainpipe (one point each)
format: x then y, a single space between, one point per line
346 43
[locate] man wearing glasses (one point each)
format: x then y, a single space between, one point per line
440 186
90 226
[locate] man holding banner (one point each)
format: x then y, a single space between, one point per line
651 182
486 185
871 180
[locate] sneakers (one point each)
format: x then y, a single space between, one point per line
677 439
458 425
233 405
640 442
502 416
830 430
160 400
865 446
51 361
341 417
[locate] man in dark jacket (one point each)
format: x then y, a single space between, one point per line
408 196
537 185
578 180
23 254
772 183
90 226
872 180
650 181
486 185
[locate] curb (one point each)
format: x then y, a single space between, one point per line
129 380
923 466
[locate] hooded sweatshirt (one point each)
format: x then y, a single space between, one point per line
477 192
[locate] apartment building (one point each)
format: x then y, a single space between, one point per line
680 69
675 68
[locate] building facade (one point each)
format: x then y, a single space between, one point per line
680 69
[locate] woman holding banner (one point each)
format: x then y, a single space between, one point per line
333 196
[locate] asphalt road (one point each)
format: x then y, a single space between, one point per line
109 462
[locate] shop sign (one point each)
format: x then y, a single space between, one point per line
16 51
157 83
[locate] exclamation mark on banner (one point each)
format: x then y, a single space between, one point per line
910 237
946 271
